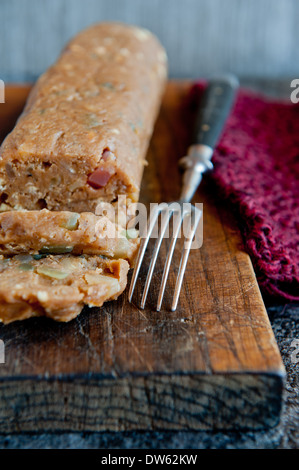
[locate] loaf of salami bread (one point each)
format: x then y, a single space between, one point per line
83 135
79 145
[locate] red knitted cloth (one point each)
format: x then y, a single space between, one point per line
257 168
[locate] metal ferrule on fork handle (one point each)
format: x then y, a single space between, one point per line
194 164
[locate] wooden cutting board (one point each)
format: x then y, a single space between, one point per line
212 364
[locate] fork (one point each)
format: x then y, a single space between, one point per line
214 108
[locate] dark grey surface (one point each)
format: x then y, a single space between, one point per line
285 322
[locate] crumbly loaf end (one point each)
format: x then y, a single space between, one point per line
56 232
87 123
57 286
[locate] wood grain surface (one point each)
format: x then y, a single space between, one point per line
212 364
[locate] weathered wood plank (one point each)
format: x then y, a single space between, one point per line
212 364
138 403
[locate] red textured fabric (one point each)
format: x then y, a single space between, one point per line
257 168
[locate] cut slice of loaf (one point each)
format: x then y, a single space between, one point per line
57 286
56 232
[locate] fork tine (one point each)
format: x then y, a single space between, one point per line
150 227
168 263
184 259
165 224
